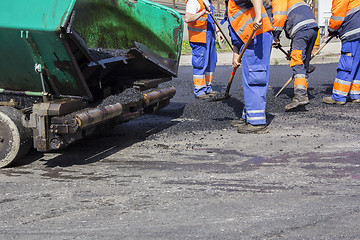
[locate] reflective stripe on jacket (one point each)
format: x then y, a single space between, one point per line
197 29
241 18
345 19
292 16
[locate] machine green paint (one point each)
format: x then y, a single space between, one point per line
119 23
30 33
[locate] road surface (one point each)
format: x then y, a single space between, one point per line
184 173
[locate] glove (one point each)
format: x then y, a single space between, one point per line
333 33
276 44
276 34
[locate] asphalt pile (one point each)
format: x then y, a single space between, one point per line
187 114
200 115
129 95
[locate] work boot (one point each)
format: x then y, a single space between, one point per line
236 123
298 100
311 69
356 100
212 93
329 100
249 128
203 96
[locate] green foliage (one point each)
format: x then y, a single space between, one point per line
185 47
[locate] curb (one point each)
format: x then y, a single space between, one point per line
225 59
329 54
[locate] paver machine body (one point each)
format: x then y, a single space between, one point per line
71 67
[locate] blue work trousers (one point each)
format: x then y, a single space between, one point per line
255 77
204 58
347 80
302 45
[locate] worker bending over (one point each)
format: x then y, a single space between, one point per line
345 22
296 18
202 32
244 16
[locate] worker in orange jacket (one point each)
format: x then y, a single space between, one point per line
202 31
345 22
298 21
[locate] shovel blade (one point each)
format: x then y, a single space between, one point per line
219 97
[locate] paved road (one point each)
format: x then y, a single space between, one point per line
184 173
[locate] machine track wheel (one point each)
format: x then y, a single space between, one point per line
15 139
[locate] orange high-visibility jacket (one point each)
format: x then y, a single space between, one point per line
345 19
241 19
197 29
292 16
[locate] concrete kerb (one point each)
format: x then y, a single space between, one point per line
329 54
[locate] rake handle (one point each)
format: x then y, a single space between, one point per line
286 53
321 47
218 25
239 59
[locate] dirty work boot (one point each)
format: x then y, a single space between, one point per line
298 100
356 100
249 128
236 123
203 96
329 100
212 93
311 69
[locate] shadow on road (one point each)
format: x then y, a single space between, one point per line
97 147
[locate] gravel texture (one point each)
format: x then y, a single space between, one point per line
129 95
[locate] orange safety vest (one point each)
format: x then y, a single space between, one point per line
340 9
197 29
241 20
281 9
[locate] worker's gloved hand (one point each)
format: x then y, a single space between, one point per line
276 34
276 44
333 33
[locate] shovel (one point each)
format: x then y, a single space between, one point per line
312 57
226 95
207 7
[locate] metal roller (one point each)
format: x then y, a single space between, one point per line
159 95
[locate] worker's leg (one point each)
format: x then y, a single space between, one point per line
310 43
343 78
211 55
255 77
355 73
198 62
301 45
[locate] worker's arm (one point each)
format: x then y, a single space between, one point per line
258 18
338 11
235 62
219 34
189 17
